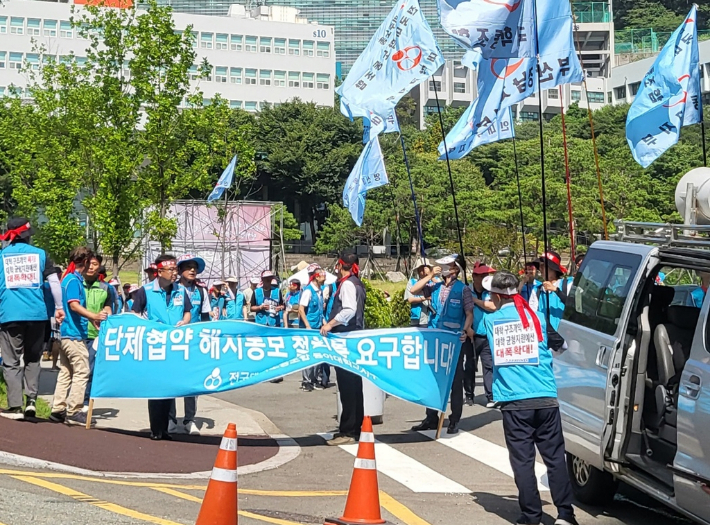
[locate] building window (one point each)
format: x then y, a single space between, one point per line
235 104
529 116
193 39
308 46
222 41
206 40
65 29
280 46
430 110
235 75
15 60
235 42
33 26
250 77
553 94
435 85
3 57
308 80
33 61
251 44
194 73
50 28
2 91
251 106
609 97
597 98
322 81
280 78
3 24
220 74
459 87
126 69
620 93
294 47
206 102
17 26
576 95
634 88
265 77
323 49
294 79
264 45
80 61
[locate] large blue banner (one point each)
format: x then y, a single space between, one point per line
137 358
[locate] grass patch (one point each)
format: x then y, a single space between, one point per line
129 276
43 408
386 286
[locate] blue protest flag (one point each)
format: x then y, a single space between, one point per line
402 54
224 182
505 82
495 28
369 173
141 359
669 97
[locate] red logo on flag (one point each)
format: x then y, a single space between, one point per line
510 5
408 58
501 70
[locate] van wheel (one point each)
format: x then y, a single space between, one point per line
589 484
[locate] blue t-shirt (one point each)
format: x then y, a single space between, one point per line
698 296
479 314
75 326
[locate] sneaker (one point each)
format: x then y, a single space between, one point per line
85 409
58 417
78 419
30 408
307 387
522 520
318 386
172 427
568 521
340 440
469 401
491 404
192 429
15 413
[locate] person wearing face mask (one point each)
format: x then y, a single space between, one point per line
554 289
452 302
524 387
529 284
481 351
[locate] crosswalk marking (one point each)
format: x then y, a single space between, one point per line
414 475
485 452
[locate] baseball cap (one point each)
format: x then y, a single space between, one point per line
266 274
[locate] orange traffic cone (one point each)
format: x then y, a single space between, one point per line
363 503
219 507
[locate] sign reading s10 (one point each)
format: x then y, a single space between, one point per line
320 33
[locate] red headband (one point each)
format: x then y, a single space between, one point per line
354 268
166 264
71 268
521 305
10 235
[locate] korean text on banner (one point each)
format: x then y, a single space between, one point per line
496 28
22 271
369 173
514 345
669 97
402 54
137 358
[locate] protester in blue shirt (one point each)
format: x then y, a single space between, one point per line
419 306
554 289
163 301
267 302
524 387
480 350
68 400
311 317
233 301
529 285
699 293
23 314
291 301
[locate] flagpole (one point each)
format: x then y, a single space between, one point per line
224 231
702 126
451 178
567 179
520 201
414 197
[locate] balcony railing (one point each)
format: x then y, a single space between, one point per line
591 12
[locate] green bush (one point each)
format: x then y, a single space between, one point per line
400 309
381 313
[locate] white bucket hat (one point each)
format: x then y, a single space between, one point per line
488 285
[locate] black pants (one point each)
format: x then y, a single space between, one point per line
432 416
351 399
21 344
159 415
525 429
480 350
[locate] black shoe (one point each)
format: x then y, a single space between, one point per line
162 437
566 521
80 418
425 425
277 380
453 428
58 417
30 408
469 401
307 387
522 520
15 413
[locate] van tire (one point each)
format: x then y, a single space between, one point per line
589 484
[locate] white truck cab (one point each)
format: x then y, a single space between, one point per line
633 381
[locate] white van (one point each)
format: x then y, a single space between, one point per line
632 382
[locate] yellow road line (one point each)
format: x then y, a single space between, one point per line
294 493
400 511
85 498
246 514
58 475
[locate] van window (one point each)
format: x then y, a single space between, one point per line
600 290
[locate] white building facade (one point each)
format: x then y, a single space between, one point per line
256 57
